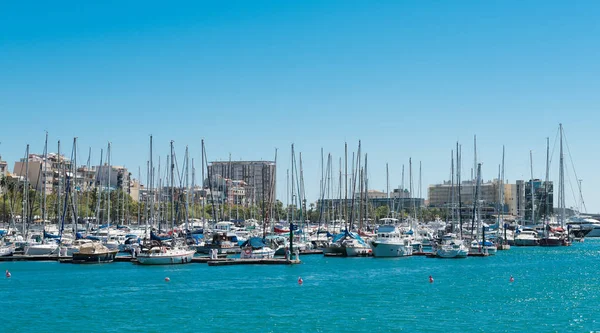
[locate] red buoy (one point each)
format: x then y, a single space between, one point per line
7 273
430 279
167 279
300 281
512 279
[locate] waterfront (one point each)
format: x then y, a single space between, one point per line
555 290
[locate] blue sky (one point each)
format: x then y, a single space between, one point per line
408 78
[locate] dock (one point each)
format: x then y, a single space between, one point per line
423 253
479 254
233 262
308 252
22 257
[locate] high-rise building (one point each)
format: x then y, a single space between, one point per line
259 178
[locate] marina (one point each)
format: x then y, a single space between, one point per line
556 287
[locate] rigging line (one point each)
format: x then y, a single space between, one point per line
574 171
570 186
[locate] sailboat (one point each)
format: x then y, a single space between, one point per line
48 246
452 245
157 252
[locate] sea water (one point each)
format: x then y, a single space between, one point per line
554 290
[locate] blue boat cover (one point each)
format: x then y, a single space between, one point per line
254 242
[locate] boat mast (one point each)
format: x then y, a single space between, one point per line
475 203
26 192
58 189
172 167
187 189
45 169
546 210
74 168
532 189
561 182
204 198
98 188
458 180
108 196
151 196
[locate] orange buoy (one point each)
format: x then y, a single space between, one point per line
300 281
430 279
512 279
167 279
8 273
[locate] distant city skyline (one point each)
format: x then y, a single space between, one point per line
409 79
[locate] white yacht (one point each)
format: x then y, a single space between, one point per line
487 247
158 254
391 243
527 237
451 247
255 248
580 222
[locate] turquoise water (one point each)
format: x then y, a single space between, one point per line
555 290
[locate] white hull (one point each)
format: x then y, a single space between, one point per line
357 251
6 251
41 250
452 253
526 242
170 257
264 253
391 250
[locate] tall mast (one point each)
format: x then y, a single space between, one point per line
546 208
387 186
187 189
458 180
108 187
452 189
561 182
58 189
74 168
26 192
346 185
172 167
98 188
204 198
532 189
44 212
151 201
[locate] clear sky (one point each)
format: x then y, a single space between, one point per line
408 78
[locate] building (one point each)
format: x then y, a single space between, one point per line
516 201
115 177
259 178
543 198
3 172
40 170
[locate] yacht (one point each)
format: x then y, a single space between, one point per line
93 252
451 247
586 224
526 237
391 243
255 248
485 247
157 253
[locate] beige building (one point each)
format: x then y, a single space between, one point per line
440 195
53 167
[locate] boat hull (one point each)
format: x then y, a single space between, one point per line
182 257
358 251
95 258
452 253
41 250
382 250
550 241
526 242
